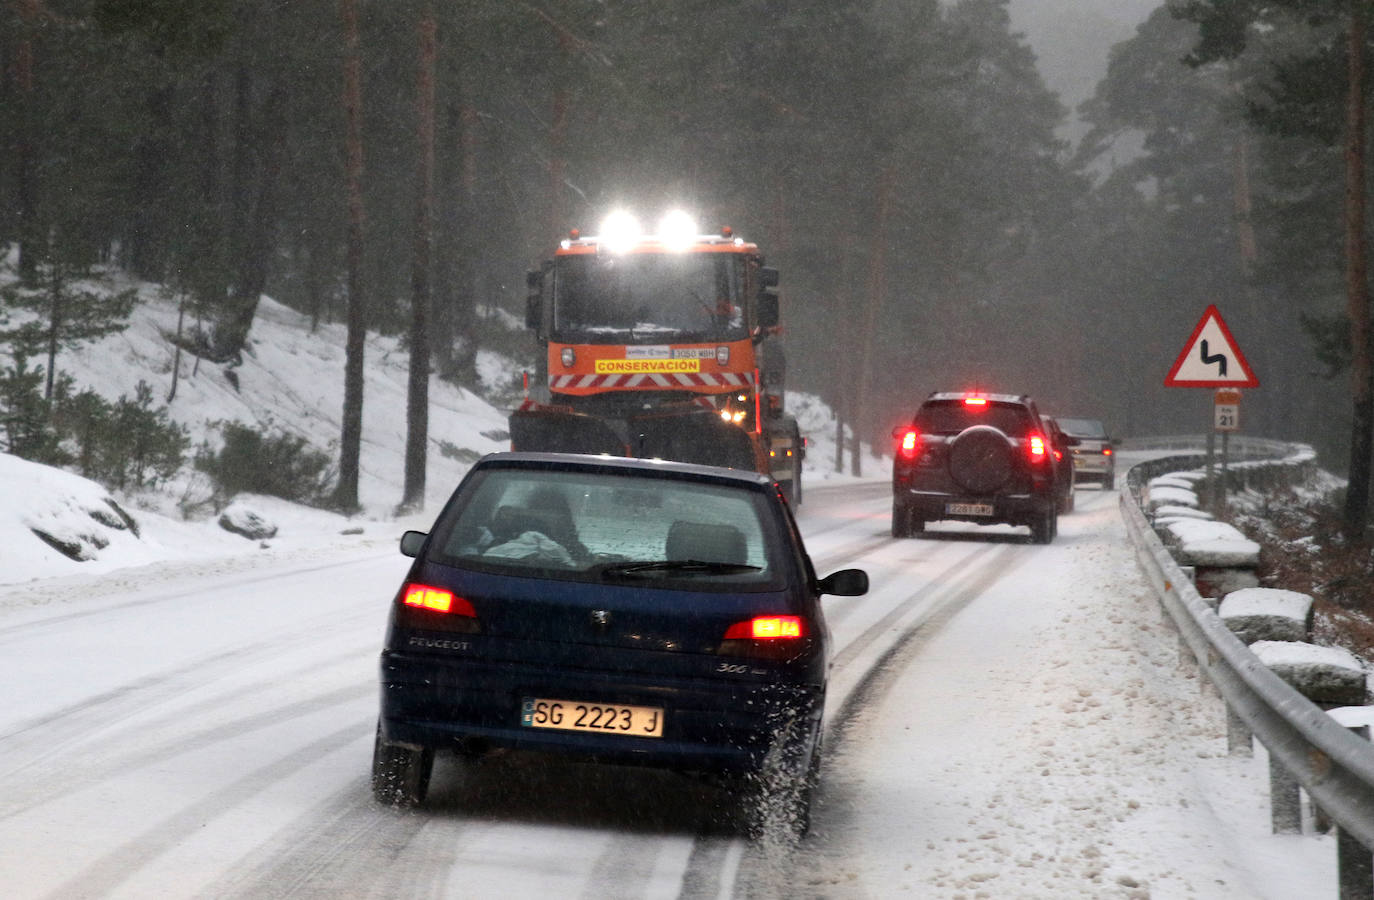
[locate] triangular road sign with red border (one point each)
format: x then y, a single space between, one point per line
1211 358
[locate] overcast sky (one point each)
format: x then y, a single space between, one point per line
1071 39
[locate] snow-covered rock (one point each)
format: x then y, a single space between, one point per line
1169 495
1171 480
241 518
1328 675
1215 544
1267 614
73 516
1180 512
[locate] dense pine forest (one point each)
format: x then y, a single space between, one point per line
400 164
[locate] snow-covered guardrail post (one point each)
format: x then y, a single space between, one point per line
1328 676
1332 765
1354 862
1222 558
1261 614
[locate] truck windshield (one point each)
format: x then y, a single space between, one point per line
648 298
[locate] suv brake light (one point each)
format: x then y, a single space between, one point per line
975 401
1036 444
911 438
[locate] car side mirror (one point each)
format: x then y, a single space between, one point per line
768 312
412 542
534 295
845 583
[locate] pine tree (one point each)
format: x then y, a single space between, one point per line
1319 94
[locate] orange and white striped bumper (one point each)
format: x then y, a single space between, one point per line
724 381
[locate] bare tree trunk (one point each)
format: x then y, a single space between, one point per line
559 127
1245 227
417 394
877 288
26 173
254 216
350 442
1356 283
176 351
846 391
54 324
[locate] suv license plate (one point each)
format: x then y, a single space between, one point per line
601 718
969 509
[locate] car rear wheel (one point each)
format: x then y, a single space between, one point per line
400 773
1044 527
901 520
778 801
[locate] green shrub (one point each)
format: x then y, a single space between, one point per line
278 464
141 445
25 427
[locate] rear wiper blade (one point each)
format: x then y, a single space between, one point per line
677 567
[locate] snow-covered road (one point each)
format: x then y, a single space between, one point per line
1005 720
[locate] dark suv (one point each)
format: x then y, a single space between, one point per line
975 457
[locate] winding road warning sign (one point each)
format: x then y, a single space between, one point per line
1211 358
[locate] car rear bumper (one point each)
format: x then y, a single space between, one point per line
1094 468
1016 509
708 725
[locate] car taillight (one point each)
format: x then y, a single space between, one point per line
766 628
766 637
1106 451
975 401
422 596
910 440
1036 445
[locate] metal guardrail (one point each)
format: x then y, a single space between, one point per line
1333 765
1239 445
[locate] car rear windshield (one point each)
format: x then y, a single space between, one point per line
1088 428
953 416
585 524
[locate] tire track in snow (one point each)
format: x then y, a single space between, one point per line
771 869
109 872
942 596
47 734
121 582
53 777
335 852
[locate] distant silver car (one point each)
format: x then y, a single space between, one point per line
1094 456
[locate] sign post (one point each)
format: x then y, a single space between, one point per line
1211 358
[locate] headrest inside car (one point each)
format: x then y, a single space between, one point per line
706 542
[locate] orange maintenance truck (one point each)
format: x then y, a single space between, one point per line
660 345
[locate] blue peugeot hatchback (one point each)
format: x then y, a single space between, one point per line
625 611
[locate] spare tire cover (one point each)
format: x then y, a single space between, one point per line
980 459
